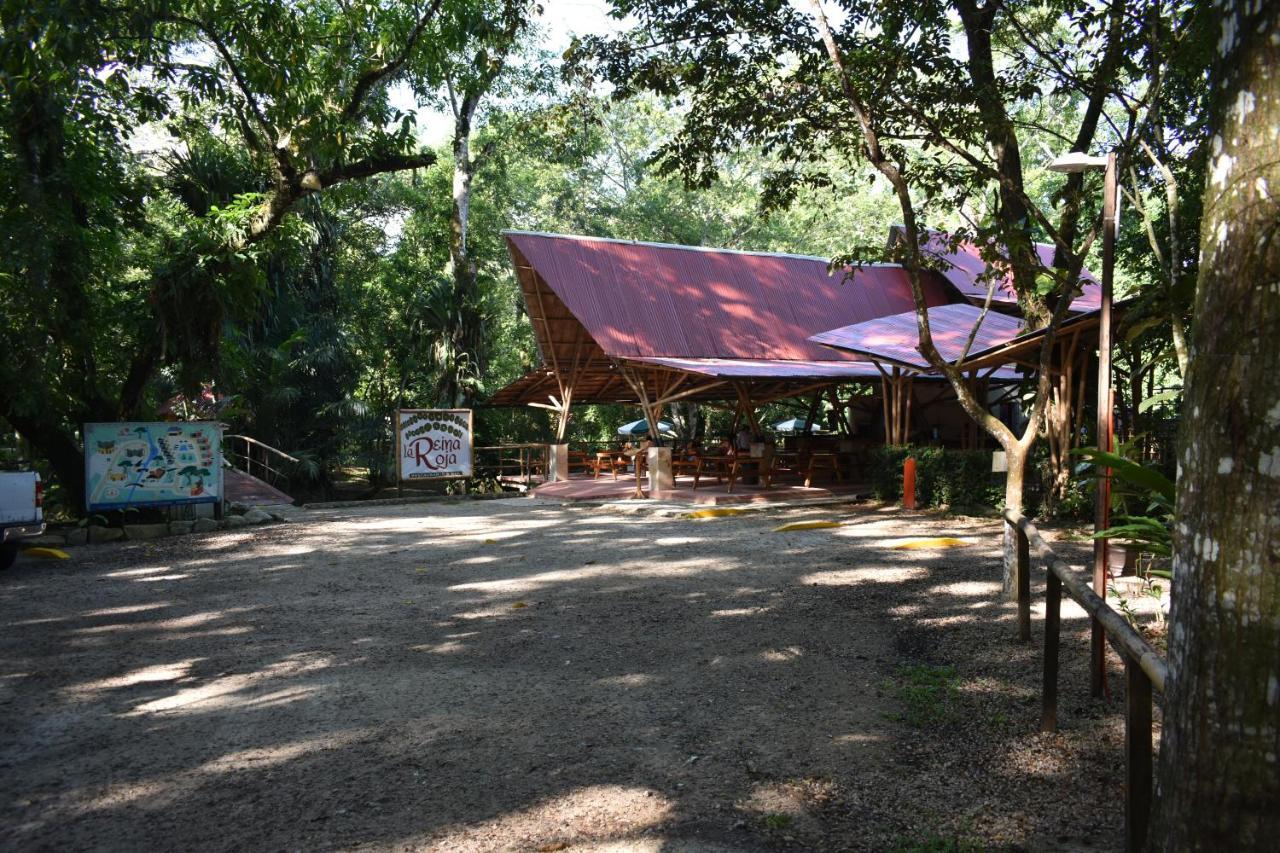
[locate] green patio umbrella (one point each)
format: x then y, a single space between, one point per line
794 425
641 427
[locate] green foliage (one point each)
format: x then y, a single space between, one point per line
1151 526
950 478
926 693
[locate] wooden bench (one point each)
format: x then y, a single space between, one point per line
611 462
759 466
822 462
686 466
579 460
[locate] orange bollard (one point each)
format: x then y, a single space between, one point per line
909 483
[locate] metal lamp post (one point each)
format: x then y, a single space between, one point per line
1077 161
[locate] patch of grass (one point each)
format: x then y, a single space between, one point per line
927 694
776 820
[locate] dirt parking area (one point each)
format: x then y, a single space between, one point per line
517 675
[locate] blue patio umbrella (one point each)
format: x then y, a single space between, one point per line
794 425
641 427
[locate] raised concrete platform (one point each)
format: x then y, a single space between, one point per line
708 493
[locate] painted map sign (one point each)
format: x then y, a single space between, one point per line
152 464
433 443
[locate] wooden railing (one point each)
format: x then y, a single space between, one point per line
513 461
1143 668
255 454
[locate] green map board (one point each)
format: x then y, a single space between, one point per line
152 464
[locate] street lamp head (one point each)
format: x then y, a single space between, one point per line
1077 161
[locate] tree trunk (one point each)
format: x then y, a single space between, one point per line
1218 784
467 332
1013 488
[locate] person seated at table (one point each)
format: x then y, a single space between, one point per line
693 450
742 443
725 447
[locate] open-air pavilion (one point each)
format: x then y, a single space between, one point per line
653 324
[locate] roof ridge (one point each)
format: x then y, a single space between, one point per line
655 244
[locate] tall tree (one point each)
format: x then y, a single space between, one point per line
480 64
930 94
1219 774
303 87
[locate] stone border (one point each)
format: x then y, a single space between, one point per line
95 534
415 499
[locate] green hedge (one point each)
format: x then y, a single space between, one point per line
943 477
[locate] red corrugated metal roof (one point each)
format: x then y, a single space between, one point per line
653 300
896 339
964 268
728 368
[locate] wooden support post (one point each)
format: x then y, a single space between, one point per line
1024 587
1137 739
907 381
884 391
1052 630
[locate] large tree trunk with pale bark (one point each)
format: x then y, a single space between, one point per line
1218 785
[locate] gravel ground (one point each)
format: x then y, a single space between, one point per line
516 675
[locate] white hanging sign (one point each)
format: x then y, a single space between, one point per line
433 444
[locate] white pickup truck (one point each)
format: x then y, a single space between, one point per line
21 512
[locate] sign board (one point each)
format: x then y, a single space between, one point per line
433 444
152 464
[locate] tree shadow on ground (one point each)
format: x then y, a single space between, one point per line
511 675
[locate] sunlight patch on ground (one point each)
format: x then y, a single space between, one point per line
595 813
169 788
138 573
738 611
146 675
446 648
222 692
634 679
789 653
876 574
990 591
180 623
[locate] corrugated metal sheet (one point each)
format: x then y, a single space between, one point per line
769 369
652 300
895 339
964 268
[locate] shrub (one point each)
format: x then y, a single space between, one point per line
943 477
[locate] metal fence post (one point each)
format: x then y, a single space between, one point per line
1052 630
1137 742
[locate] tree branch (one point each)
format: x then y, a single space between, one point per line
371 78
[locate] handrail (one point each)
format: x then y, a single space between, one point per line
1143 668
263 445
1118 629
250 443
528 458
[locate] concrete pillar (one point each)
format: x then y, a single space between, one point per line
557 462
660 478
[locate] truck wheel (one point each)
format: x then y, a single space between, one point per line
8 553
